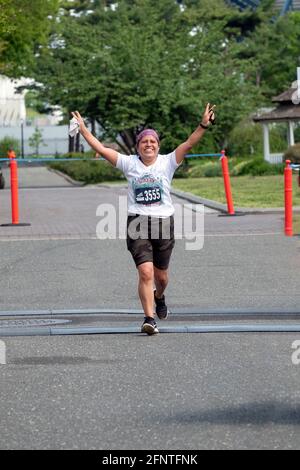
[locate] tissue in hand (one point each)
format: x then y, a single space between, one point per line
74 127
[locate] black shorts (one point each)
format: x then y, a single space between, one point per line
150 239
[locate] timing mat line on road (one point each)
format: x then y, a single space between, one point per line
232 328
12 238
15 323
179 311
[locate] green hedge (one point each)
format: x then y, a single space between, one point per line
101 171
206 169
257 167
9 142
89 154
293 153
237 167
89 172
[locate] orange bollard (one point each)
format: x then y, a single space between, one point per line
14 191
11 154
288 192
226 176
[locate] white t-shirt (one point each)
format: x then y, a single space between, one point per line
149 186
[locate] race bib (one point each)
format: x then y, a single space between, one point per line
148 190
147 195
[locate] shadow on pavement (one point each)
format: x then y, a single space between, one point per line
62 360
249 413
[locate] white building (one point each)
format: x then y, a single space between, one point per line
12 104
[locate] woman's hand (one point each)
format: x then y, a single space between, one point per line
80 121
208 115
109 154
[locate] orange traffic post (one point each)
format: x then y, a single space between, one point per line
288 192
226 176
14 191
11 154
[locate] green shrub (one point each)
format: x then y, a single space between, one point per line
278 137
196 171
183 170
89 172
212 169
259 167
89 154
9 142
297 133
246 139
293 153
239 168
205 169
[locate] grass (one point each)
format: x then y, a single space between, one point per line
296 224
247 191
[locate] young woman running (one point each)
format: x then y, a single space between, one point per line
150 223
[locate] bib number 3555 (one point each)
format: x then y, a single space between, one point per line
147 195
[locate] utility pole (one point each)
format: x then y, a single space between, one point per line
22 138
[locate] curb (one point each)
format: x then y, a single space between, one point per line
199 200
66 177
223 207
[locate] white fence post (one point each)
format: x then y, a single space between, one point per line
2 352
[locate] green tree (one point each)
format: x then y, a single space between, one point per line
36 140
140 63
24 27
269 46
9 143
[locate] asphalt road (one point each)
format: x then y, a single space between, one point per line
166 392
58 262
229 272
187 391
32 176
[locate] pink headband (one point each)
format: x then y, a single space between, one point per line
147 132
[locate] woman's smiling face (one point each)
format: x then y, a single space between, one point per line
148 148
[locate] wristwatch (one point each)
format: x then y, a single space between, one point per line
203 126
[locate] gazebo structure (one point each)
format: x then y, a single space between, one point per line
288 110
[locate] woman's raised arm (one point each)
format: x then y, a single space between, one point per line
186 147
107 153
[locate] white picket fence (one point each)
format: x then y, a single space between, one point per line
275 158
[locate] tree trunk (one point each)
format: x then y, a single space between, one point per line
258 78
123 147
128 138
93 124
77 143
71 144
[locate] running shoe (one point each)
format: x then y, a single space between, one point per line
149 326
161 308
